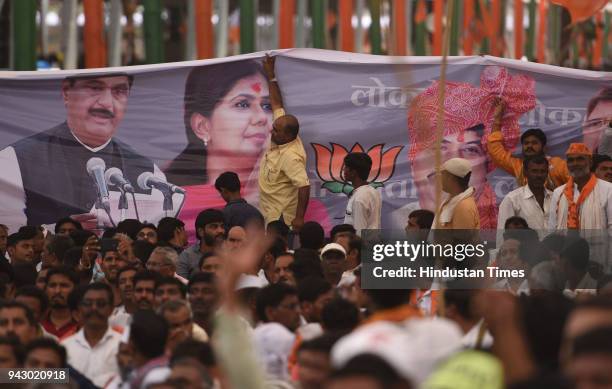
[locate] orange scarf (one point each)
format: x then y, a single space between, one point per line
573 217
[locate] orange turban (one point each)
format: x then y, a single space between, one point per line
466 106
579 148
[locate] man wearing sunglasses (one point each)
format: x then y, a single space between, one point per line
92 351
45 176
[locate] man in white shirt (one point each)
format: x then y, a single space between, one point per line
92 350
44 176
364 205
532 201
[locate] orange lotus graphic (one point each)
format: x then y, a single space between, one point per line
331 161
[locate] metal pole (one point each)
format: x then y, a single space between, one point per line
300 33
190 47
115 33
359 10
44 28
69 16
222 28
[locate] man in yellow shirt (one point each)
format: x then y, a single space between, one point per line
533 142
460 211
284 188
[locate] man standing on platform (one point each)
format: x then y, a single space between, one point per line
284 188
365 204
532 201
533 142
459 212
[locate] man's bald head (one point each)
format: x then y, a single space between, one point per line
285 129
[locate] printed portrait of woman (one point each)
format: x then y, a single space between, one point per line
228 120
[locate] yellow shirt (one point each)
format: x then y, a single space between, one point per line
282 173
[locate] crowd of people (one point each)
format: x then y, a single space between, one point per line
265 299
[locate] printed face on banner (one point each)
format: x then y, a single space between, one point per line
95 107
598 119
468 146
241 122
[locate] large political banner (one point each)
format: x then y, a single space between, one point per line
101 144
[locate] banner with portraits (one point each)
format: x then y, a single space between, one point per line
171 129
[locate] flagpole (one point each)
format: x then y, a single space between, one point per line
23 32
115 34
222 28
375 32
93 34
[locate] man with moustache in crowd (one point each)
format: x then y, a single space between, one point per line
144 289
92 350
59 322
125 282
112 261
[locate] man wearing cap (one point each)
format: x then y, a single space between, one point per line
533 142
44 176
460 211
333 261
585 202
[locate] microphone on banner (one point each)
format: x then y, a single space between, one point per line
95 168
148 181
114 176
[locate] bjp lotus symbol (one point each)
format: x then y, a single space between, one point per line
331 161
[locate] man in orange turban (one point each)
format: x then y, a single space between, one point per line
584 204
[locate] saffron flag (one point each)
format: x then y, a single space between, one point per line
582 10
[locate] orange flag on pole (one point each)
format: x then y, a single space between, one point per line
399 20
204 29
438 32
542 31
93 34
582 10
346 27
286 30
518 29
421 12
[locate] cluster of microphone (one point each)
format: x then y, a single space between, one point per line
113 177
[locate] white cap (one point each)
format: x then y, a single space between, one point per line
249 281
413 349
332 247
458 167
